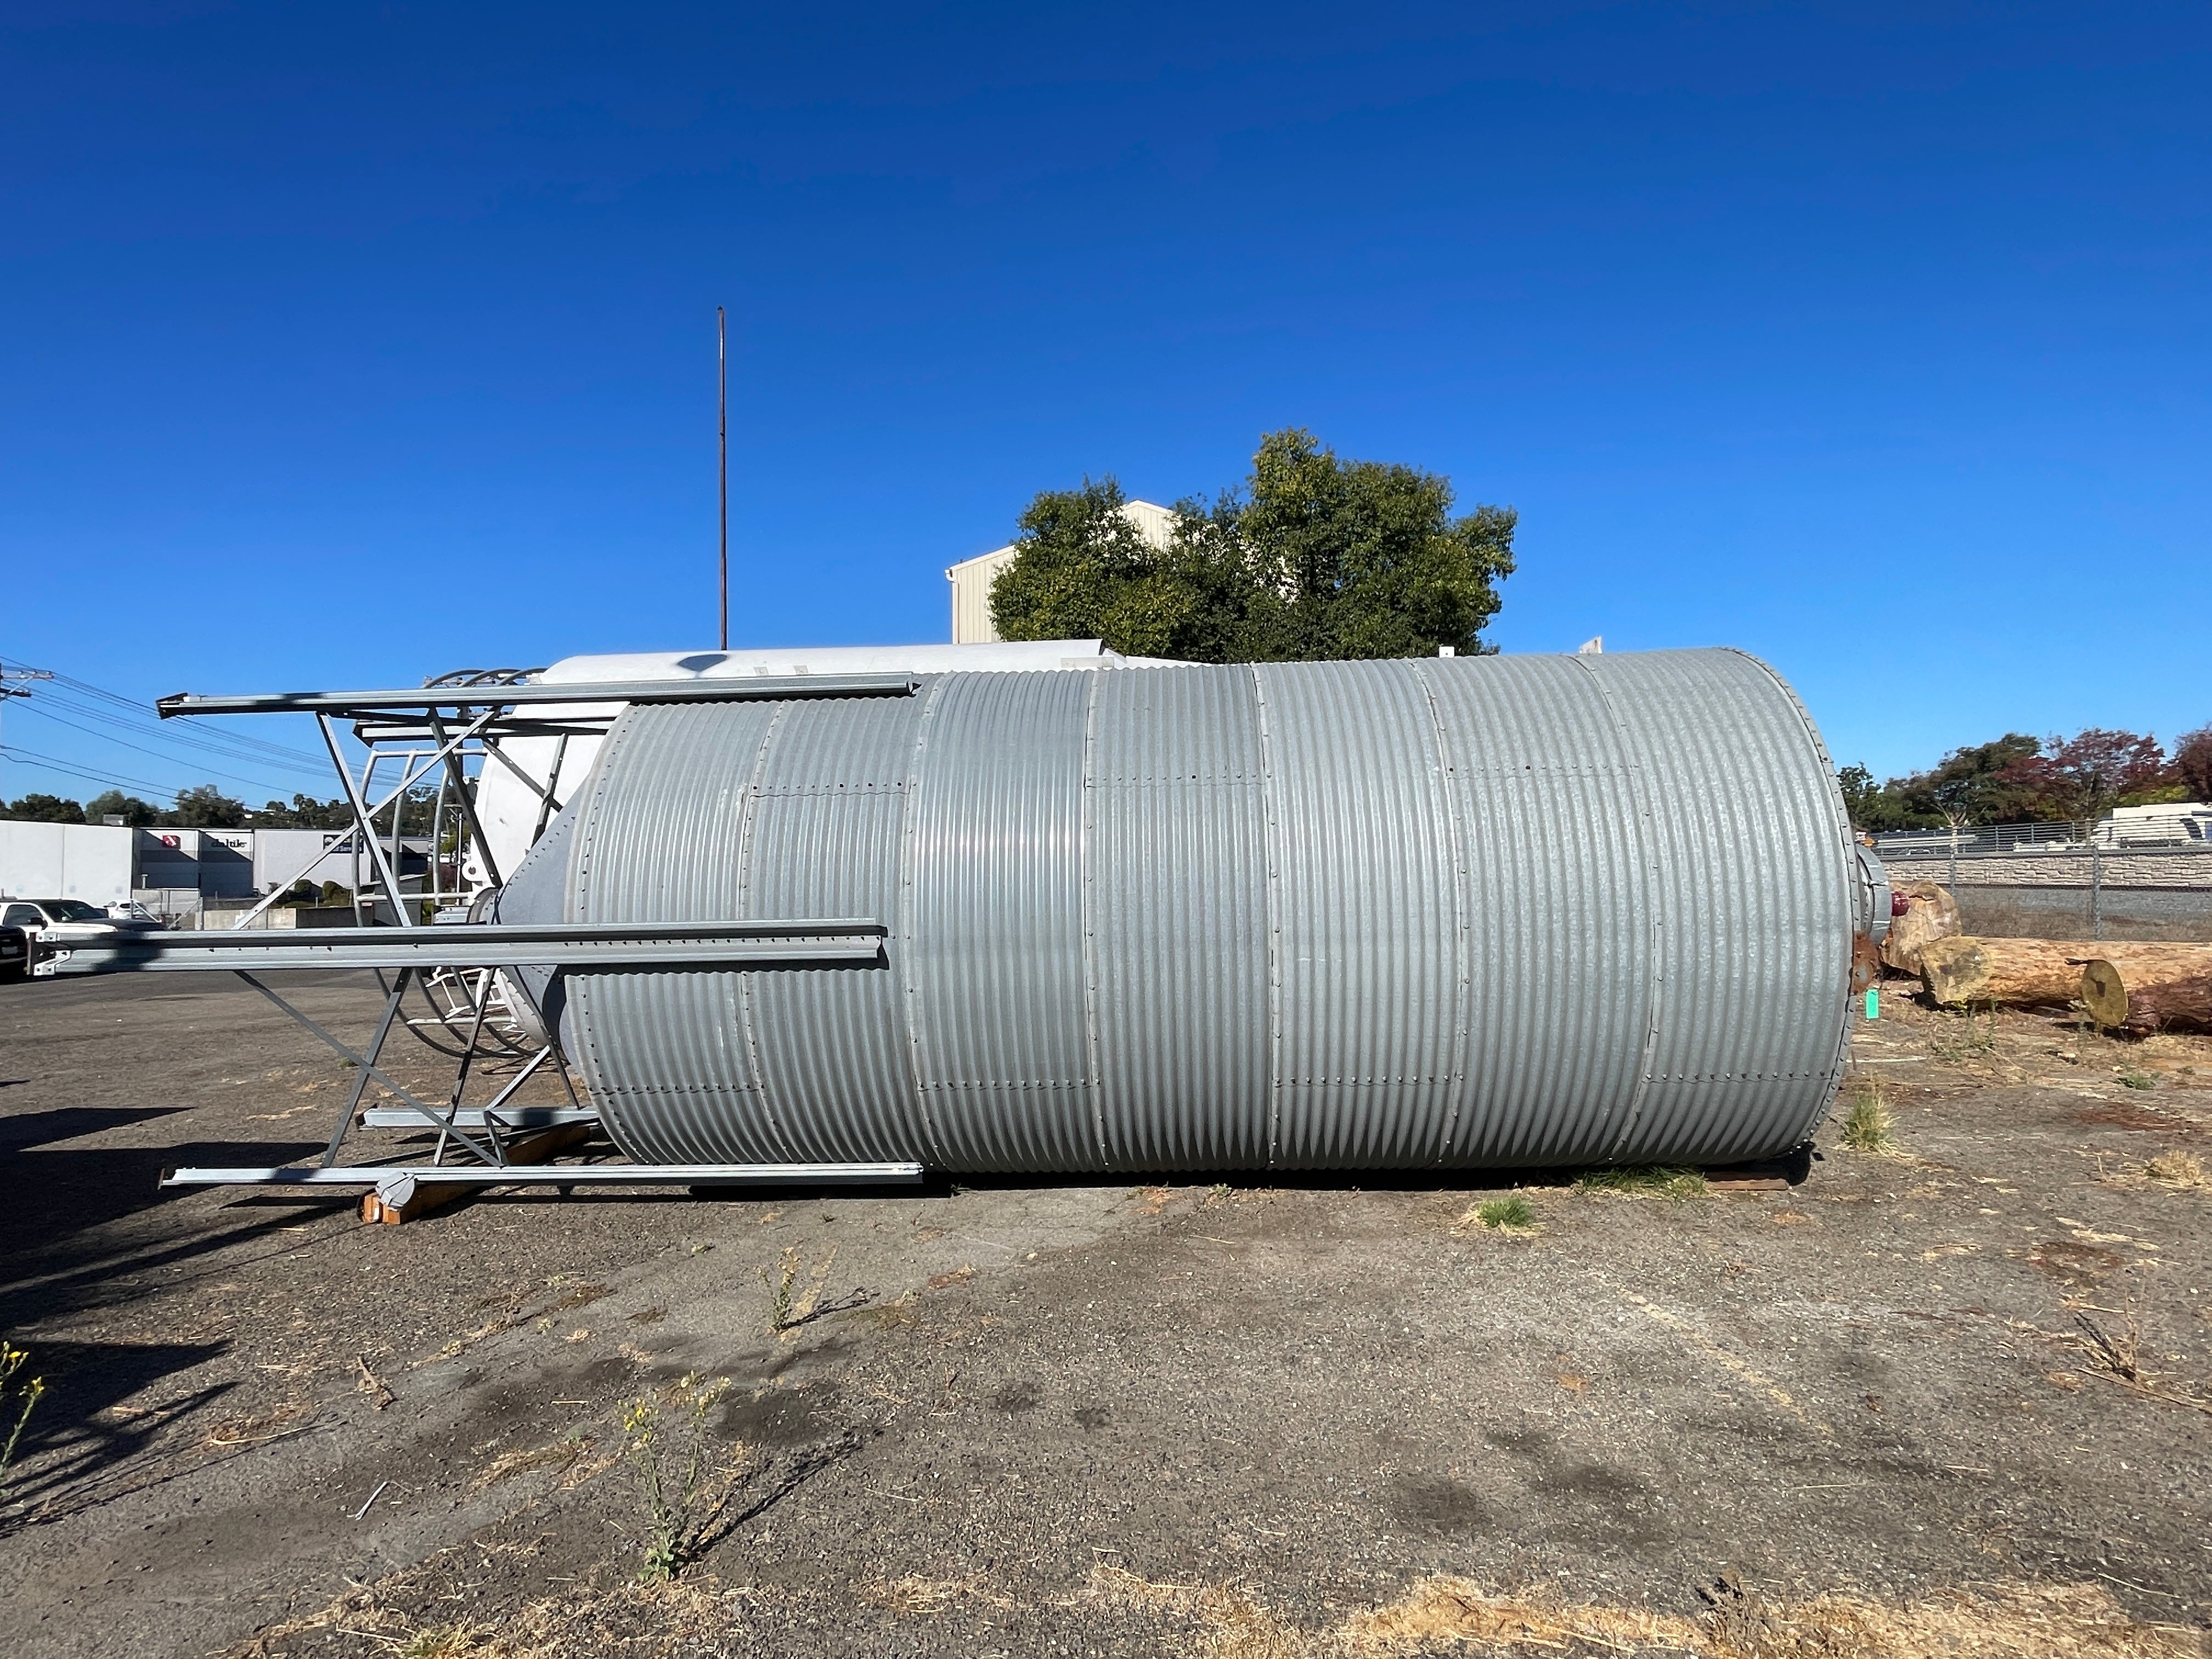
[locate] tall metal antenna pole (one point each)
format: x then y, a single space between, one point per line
722 388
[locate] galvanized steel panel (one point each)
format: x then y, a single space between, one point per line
1754 953
1469 912
993 923
832 1047
1554 870
1367 932
665 1056
1175 863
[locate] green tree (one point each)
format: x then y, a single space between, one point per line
1361 558
1083 570
115 805
1313 558
43 809
203 806
1864 799
1977 784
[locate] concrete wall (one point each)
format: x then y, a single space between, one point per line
2179 867
88 861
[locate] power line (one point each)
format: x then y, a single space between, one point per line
62 695
47 713
50 764
134 713
176 738
137 714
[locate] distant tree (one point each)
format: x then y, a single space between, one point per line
1863 798
1358 558
2084 776
205 807
1967 785
1313 558
43 809
2192 762
305 812
115 805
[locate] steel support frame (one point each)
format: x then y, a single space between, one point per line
449 727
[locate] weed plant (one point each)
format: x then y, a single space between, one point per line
18 1400
794 1291
1972 1034
672 1473
2178 1169
1511 1215
442 1641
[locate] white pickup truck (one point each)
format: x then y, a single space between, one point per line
59 928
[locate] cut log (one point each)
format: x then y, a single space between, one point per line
1929 913
2171 991
2016 973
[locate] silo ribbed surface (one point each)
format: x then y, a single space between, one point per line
1458 912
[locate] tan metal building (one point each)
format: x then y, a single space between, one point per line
971 579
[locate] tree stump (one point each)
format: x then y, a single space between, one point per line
1930 913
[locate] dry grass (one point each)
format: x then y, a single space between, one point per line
1434 1616
914 1596
448 1642
556 1455
1230 1624
1438 1615
2181 1169
1444 1612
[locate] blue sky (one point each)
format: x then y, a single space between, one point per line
345 346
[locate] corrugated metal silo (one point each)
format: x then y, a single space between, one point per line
1460 912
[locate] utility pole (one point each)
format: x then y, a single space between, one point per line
722 439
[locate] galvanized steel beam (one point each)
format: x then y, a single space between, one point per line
384 1178
754 944
477 1117
734 689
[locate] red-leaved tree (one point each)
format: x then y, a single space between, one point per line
2192 760
2081 777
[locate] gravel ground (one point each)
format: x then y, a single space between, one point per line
1861 1415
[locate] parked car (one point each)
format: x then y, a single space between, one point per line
15 948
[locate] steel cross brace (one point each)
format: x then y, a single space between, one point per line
493 1154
